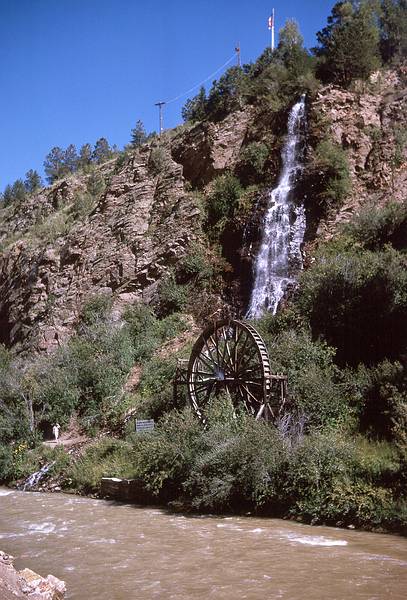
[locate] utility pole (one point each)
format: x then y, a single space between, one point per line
160 116
237 49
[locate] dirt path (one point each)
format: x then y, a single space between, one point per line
71 437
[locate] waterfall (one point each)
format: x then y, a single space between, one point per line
279 255
33 480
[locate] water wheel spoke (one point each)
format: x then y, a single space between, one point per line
214 341
245 387
210 390
245 362
210 355
240 350
227 356
256 383
199 372
200 381
199 385
205 359
243 396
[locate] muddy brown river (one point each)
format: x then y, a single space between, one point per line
109 551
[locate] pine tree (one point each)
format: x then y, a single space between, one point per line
19 191
349 45
195 108
138 135
8 195
226 94
291 52
393 22
32 181
102 151
289 36
54 164
70 159
85 156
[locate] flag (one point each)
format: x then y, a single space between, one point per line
271 22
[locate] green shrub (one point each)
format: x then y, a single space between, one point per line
52 227
376 462
143 327
15 401
85 375
95 184
358 302
223 198
100 367
373 227
82 205
194 266
96 310
383 410
163 458
333 479
252 160
240 465
315 465
158 160
57 395
155 395
226 94
328 175
122 160
173 297
108 457
400 138
16 461
314 382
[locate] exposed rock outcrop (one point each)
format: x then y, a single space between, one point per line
208 149
27 584
141 226
369 123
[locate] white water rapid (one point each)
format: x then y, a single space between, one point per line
279 255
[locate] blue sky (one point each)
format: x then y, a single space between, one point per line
72 71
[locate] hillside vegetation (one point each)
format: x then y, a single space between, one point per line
107 276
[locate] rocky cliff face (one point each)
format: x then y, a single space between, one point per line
147 217
139 228
141 225
371 125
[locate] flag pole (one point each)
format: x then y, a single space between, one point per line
272 31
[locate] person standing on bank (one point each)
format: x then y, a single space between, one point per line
55 431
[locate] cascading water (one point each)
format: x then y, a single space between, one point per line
33 480
284 227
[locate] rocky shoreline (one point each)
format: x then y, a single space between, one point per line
27 584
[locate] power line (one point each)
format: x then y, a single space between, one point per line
163 103
202 82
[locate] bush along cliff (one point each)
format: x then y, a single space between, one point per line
108 275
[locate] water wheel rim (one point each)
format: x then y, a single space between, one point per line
229 355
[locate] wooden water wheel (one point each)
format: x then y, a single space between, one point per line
231 357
